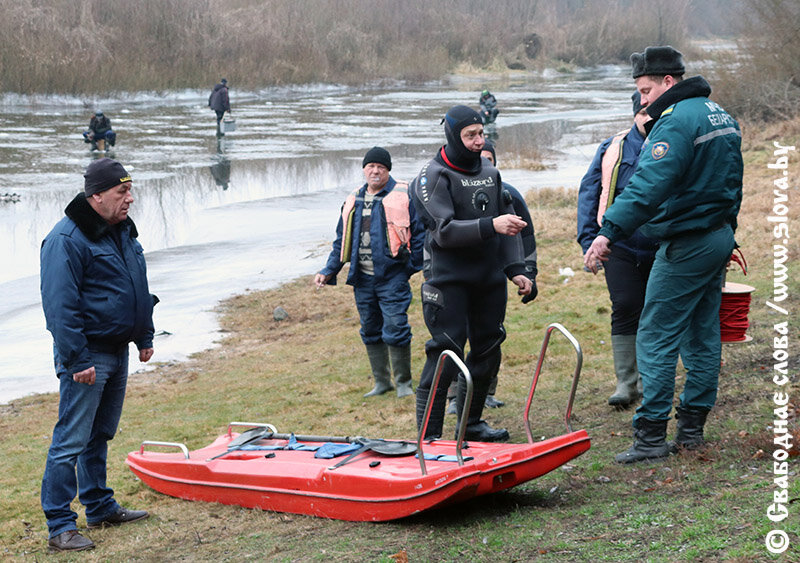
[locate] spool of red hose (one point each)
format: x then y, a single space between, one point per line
733 312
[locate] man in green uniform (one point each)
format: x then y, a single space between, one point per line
686 192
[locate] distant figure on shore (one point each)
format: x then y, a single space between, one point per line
380 235
220 103
100 134
488 104
96 301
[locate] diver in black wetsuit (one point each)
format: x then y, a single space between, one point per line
472 236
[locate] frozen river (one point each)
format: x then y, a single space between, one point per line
259 207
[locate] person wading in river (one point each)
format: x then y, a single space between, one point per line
380 235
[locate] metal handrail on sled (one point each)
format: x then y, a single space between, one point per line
575 377
462 427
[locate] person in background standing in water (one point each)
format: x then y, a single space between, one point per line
628 266
96 301
531 270
220 103
472 233
380 235
488 105
686 192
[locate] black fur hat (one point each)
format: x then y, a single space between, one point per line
657 61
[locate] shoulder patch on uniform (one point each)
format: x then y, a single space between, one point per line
659 150
667 111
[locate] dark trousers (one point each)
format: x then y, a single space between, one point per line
626 278
464 312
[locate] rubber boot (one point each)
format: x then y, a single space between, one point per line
378 355
436 419
401 366
451 397
478 430
624 349
649 442
689 435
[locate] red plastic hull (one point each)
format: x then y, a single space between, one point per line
294 481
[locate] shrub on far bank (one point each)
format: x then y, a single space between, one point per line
761 81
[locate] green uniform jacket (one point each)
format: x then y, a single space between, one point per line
689 177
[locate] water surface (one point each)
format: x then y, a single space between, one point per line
258 207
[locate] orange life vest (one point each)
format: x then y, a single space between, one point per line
397 220
609 171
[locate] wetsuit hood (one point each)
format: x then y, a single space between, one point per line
456 119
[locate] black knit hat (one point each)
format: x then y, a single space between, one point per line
657 61
379 155
489 147
103 174
636 97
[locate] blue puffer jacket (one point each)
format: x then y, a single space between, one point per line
689 177
642 247
93 295
385 266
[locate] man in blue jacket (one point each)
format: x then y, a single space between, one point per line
686 192
628 266
380 235
96 301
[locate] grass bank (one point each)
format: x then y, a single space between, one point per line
308 373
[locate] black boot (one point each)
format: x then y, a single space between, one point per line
649 442
436 419
689 435
477 430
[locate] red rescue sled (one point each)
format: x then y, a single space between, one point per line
380 480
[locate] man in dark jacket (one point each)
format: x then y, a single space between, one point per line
218 101
379 233
474 248
100 132
628 266
96 301
686 192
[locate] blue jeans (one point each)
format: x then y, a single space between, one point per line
88 416
383 309
681 318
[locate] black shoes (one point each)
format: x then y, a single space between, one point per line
482 432
122 516
70 540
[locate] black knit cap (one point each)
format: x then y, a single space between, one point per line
103 174
657 61
379 155
489 146
636 97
